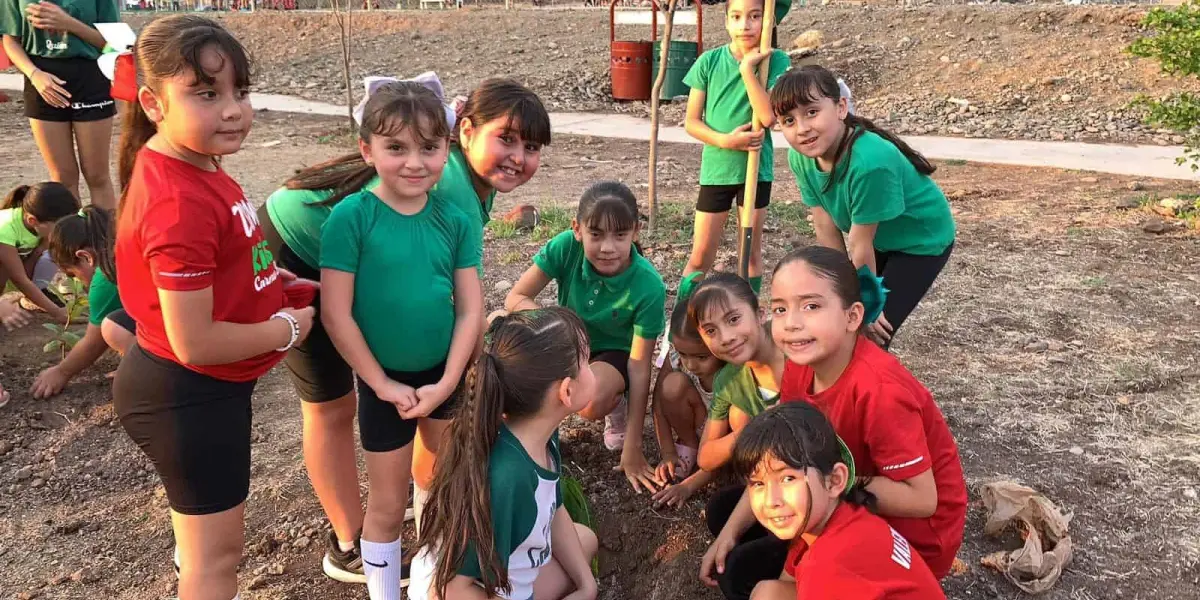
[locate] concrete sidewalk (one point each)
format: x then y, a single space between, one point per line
1137 161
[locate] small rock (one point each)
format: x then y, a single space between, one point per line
1065 98
1128 203
1154 225
1136 186
1089 180
904 42
1076 450
944 58
5 447
90 465
275 569
24 473
1055 346
257 583
502 286
259 570
1123 400
30 595
839 43
301 542
37 482
552 45
1038 346
810 39
1190 493
86 575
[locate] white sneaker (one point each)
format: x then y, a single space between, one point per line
614 425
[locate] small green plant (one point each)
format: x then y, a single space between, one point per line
1175 43
789 217
553 220
502 230
954 162
76 304
1093 282
510 257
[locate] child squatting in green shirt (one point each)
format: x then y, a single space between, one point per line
726 98
864 182
604 278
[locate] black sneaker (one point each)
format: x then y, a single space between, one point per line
345 567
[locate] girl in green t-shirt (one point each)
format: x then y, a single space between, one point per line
402 303
495 524
502 128
82 246
604 278
862 181
26 217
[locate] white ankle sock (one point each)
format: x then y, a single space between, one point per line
381 565
420 496
345 546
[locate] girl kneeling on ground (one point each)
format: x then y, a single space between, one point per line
27 216
604 278
402 302
863 181
801 487
82 246
502 128
495 524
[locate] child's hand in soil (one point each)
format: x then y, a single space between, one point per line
673 496
668 467
12 315
429 397
49 383
713 561
403 397
637 471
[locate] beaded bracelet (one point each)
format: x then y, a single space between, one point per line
295 328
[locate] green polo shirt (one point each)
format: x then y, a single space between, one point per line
404 269
456 185
726 107
614 309
54 44
782 7
735 385
878 185
14 232
103 298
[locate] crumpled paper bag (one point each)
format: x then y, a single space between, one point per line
1035 567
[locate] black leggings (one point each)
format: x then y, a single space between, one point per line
907 277
758 555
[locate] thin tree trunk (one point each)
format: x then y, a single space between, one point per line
655 92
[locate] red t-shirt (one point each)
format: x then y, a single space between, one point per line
186 229
859 557
894 429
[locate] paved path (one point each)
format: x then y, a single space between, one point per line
1138 161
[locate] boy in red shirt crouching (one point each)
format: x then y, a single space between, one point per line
800 486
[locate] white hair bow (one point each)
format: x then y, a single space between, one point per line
844 90
429 79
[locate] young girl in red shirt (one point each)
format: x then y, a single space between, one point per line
906 455
207 297
801 487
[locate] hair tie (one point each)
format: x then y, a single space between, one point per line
873 294
428 79
844 90
848 460
81 213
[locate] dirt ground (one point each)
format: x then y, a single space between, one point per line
1061 343
1025 71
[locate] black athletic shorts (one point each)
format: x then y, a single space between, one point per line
90 90
719 198
122 318
618 359
380 425
194 428
317 369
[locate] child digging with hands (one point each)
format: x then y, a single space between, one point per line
495 525
604 278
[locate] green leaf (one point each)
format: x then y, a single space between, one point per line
52 346
54 327
71 338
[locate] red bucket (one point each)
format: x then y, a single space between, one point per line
631 63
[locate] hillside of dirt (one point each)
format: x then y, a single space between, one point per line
1044 72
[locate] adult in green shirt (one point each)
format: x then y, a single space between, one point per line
502 127
67 101
864 182
726 97
82 246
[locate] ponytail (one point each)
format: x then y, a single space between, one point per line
136 130
15 198
90 229
856 126
459 509
344 175
526 354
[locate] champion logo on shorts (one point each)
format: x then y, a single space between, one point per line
901 551
87 105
